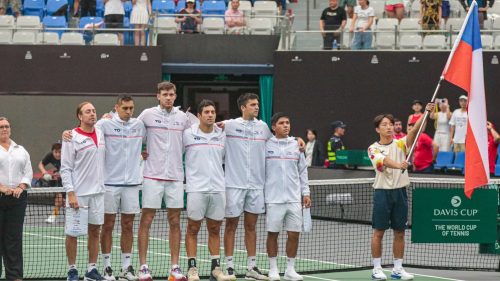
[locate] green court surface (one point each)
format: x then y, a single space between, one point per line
365 275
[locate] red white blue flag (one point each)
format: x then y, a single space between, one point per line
465 69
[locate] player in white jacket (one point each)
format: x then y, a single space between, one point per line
286 192
205 185
82 173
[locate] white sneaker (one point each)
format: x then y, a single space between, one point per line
401 274
219 275
145 274
127 274
255 274
51 219
292 275
193 274
108 274
274 275
378 274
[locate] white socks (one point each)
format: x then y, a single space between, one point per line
229 262
377 262
290 263
398 263
107 260
126 260
252 262
273 263
90 267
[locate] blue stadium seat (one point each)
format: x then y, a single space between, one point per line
163 6
213 8
443 159
87 35
57 7
34 8
127 6
55 22
128 36
458 164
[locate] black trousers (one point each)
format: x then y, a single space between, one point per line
87 8
12 211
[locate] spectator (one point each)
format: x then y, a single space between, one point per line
87 8
58 204
140 18
15 5
235 19
458 125
336 143
482 7
445 10
113 15
332 18
362 23
15 177
493 141
314 151
192 19
430 14
425 152
417 112
398 129
348 6
442 134
395 9
53 158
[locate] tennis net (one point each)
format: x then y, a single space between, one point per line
339 241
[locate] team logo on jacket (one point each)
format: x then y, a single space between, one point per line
117 130
177 123
197 138
270 152
239 130
158 121
257 133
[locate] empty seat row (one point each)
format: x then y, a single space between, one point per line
256 26
52 38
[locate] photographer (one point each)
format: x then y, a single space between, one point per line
441 123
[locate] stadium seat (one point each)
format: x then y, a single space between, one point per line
163 6
57 22
387 24
106 39
410 42
90 22
72 38
494 10
166 25
415 9
260 26
245 7
7 23
213 26
31 22
34 8
57 7
265 9
47 38
487 41
24 38
379 8
434 41
410 26
5 37
443 159
213 8
385 41
458 163
454 23
456 9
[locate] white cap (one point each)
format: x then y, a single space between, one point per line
463 97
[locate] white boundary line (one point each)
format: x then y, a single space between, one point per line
430 276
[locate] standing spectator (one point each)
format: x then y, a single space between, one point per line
445 10
15 5
192 19
15 177
493 141
335 143
482 8
442 134
314 150
390 200
417 106
286 193
425 152
361 24
139 17
235 19
430 14
332 18
458 125
53 158
398 129
113 15
395 9
348 6
204 144
82 172
87 8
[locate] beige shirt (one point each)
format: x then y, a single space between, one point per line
388 178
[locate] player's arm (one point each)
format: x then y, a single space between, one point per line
67 165
304 182
494 133
435 150
41 167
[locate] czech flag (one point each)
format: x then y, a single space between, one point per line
464 68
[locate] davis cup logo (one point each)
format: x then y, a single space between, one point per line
456 201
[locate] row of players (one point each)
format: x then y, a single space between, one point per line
100 169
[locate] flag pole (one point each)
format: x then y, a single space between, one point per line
455 45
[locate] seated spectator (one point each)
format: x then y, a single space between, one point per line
395 9
53 158
335 144
15 5
314 150
332 18
425 152
430 14
361 24
235 19
192 19
493 141
398 129
417 112
442 134
139 17
113 15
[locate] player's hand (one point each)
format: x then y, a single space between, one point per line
488 125
5 190
66 136
16 192
107 116
430 107
72 200
307 201
403 165
302 144
220 125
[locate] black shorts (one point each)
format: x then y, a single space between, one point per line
113 21
390 209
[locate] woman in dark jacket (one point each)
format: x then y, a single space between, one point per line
314 151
